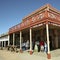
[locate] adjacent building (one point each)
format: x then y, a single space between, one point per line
4 40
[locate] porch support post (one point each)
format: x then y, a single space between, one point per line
47 32
13 38
31 41
20 42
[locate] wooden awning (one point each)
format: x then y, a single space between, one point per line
44 14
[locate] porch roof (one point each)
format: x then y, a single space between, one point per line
44 14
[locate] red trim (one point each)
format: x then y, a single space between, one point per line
49 56
31 52
21 51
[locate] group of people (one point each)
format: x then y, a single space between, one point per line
41 45
25 45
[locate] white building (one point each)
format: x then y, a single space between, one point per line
4 40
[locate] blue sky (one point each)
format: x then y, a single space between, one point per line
13 11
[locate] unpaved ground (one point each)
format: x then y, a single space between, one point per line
8 55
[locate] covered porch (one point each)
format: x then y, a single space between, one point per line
42 25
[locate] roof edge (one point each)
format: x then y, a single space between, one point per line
47 7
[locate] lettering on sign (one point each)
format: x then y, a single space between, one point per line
52 15
41 16
33 19
37 17
25 23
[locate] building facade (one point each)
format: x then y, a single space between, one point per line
42 24
4 40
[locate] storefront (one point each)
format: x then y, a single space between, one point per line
42 24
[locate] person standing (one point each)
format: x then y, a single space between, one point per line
42 45
33 44
27 44
45 47
38 46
